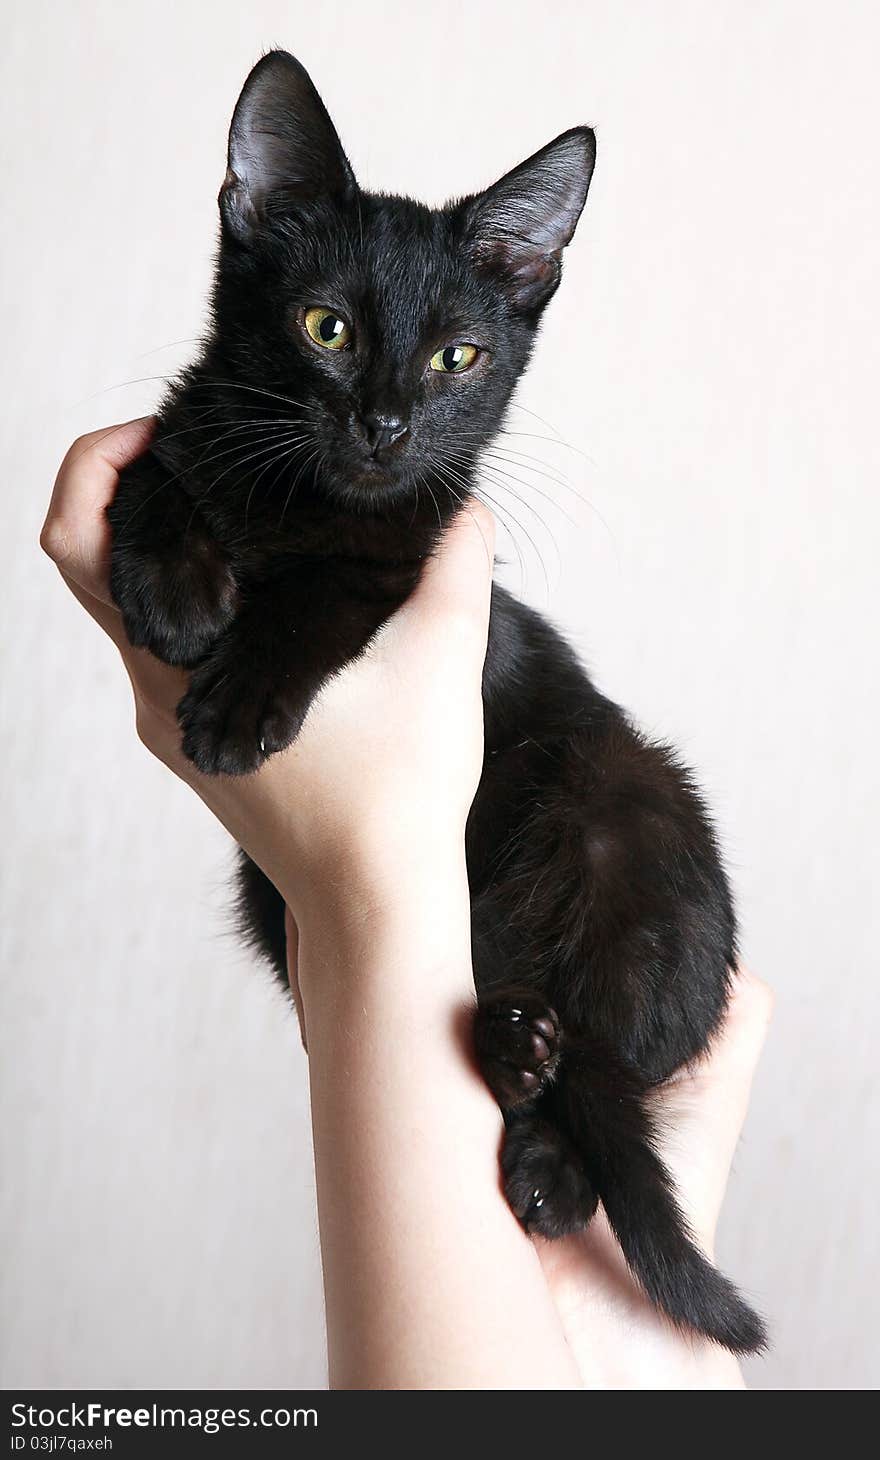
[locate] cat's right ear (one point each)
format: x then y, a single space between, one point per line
282 142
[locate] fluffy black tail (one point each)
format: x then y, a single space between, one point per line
608 1116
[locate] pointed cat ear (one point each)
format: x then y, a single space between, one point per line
281 141
519 227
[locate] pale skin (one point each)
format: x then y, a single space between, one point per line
429 1281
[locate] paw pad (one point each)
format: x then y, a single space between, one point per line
518 1047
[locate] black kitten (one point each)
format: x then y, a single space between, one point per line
363 352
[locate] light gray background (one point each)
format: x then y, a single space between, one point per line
714 353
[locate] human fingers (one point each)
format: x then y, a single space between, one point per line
702 1111
455 587
76 533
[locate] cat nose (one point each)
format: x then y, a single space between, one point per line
382 429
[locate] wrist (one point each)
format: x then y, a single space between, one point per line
363 875
401 921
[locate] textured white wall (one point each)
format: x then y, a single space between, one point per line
714 352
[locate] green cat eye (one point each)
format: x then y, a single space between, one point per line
326 328
454 359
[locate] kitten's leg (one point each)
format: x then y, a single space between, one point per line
168 575
518 1039
544 1178
252 693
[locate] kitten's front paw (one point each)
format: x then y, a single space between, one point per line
517 1041
544 1179
232 720
176 606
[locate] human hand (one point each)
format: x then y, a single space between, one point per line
618 1339
377 787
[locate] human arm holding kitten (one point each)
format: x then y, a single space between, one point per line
430 1282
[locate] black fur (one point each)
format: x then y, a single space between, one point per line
283 512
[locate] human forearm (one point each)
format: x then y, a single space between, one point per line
429 1281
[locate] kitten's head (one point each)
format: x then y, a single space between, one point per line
399 330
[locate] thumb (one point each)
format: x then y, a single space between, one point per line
456 584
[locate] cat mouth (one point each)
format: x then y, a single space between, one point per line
372 473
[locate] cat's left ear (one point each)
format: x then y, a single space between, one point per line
282 143
518 228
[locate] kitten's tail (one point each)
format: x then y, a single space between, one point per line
608 1114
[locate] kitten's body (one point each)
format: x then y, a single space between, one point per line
283 513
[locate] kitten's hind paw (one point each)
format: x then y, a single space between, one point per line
517 1041
544 1179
